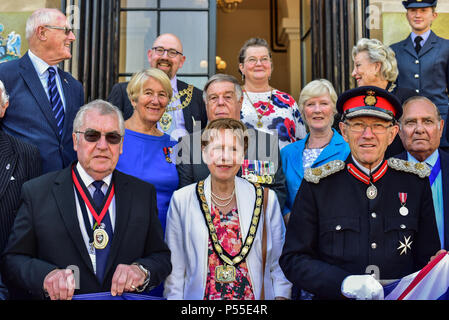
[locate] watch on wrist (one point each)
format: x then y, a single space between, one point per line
147 277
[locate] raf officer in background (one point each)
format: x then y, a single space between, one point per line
421 128
423 58
88 215
186 110
223 97
43 98
364 212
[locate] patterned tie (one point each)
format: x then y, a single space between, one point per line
418 40
102 254
55 99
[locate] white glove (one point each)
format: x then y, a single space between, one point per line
362 287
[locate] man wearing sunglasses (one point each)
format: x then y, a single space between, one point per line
367 213
43 98
88 216
186 111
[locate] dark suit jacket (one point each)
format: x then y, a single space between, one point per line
46 234
444 160
191 167
195 110
30 118
19 162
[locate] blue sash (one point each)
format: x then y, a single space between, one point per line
435 171
109 296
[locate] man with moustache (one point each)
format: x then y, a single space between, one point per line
186 111
365 213
423 58
421 128
43 99
90 216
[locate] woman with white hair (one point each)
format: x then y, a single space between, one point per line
375 65
321 145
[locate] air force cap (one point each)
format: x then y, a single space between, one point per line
369 101
419 3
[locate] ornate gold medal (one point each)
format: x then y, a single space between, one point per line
225 274
101 238
166 121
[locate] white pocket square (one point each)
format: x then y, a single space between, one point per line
12 178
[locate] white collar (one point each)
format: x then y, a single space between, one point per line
87 179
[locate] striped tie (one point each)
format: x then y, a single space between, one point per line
55 99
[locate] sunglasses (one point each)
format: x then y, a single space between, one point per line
94 135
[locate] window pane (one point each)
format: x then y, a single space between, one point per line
138 3
198 82
188 4
137 33
192 29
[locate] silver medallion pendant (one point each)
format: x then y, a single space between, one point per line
403 211
371 192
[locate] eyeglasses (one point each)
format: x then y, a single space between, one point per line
253 60
170 52
214 98
360 127
94 135
66 30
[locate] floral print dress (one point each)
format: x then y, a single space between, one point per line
281 115
229 236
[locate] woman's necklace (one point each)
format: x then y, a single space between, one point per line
225 201
321 147
263 107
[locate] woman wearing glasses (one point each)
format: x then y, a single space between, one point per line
264 107
147 152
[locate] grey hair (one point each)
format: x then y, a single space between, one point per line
40 17
421 98
104 108
378 52
220 77
4 98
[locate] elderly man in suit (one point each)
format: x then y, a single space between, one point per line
421 127
423 58
88 215
186 110
43 98
19 162
223 97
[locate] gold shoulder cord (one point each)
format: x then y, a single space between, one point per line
226 274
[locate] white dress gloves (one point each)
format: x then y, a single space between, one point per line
362 287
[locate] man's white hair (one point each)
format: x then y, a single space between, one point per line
40 17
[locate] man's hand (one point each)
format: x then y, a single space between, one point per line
126 278
437 254
362 287
60 284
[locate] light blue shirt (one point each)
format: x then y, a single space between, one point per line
437 193
424 37
41 68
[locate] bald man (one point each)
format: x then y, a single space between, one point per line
186 112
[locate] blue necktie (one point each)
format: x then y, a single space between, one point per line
102 254
55 99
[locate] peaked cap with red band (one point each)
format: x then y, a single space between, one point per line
369 101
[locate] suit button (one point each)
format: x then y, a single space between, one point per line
374 215
373 245
417 90
338 228
416 76
417 61
402 226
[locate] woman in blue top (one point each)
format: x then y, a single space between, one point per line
148 152
321 145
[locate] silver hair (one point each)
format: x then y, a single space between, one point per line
421 98
104 108
40 17
220 77
4 98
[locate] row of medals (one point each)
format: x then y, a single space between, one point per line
265 176
226 273
371 193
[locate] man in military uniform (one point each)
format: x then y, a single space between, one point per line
423 58
365 213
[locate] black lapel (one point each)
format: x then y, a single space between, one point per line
65 198
429 45
8 161
123 204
